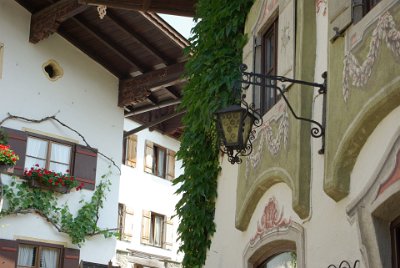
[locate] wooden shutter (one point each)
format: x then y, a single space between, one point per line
8 253
17 140
171 165
149 157
169 233
70 258
131 142
85 163
128 223
121 220
339 13
146 226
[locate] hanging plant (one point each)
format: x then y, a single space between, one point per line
215 55
7 157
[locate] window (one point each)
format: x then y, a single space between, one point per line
54 154
125 222
285 259
362 7
38 256
156 230
265 98
159 161
395 235
48 154
35 254
130 144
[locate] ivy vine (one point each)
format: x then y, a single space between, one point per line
22 199
215 55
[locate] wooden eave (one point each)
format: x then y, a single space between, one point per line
131 42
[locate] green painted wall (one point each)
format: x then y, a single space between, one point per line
293 165
350 123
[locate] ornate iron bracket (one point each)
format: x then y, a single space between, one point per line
250 78
345 264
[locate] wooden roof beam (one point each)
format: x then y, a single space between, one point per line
177 7
47 21
148 46
111 45
138 89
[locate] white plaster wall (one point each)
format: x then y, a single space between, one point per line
142 191
85 99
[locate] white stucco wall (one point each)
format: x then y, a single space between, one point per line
85 99
142 191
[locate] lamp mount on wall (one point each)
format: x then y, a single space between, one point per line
235 123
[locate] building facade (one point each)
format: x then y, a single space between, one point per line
299 201
147 201
58 109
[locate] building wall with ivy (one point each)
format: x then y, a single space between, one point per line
84 99
336 209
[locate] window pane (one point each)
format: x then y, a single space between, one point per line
60 153
49 258
26 256
32 162
161 163
283 260
56 167
158 221
36 148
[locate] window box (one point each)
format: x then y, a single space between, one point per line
35 183
6 168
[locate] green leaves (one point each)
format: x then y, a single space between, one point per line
23 199
215 55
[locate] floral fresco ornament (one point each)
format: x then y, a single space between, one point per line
271 219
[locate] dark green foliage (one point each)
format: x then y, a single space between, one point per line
215 56
22 199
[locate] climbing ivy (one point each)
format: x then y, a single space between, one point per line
215 55
22 199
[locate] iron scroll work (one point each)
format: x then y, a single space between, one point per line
250 78
345 264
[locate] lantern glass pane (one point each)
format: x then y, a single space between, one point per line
230 123
248 123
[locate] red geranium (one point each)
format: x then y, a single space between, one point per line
7 156
51 178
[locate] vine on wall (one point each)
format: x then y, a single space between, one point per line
215 55
22 199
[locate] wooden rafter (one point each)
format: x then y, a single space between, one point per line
138 89
46 21
112 46
177 7
135 36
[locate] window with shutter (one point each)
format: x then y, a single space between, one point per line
53 154
121 220
159 161
130 150
361 7
156 230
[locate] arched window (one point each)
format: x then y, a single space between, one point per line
282 260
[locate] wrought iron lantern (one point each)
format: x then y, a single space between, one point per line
236 123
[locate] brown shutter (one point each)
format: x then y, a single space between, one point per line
121 220
8 253
85 163
171 165
70 258
149 157
146 225
339 12
17 140
128 223
131 142
169 234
